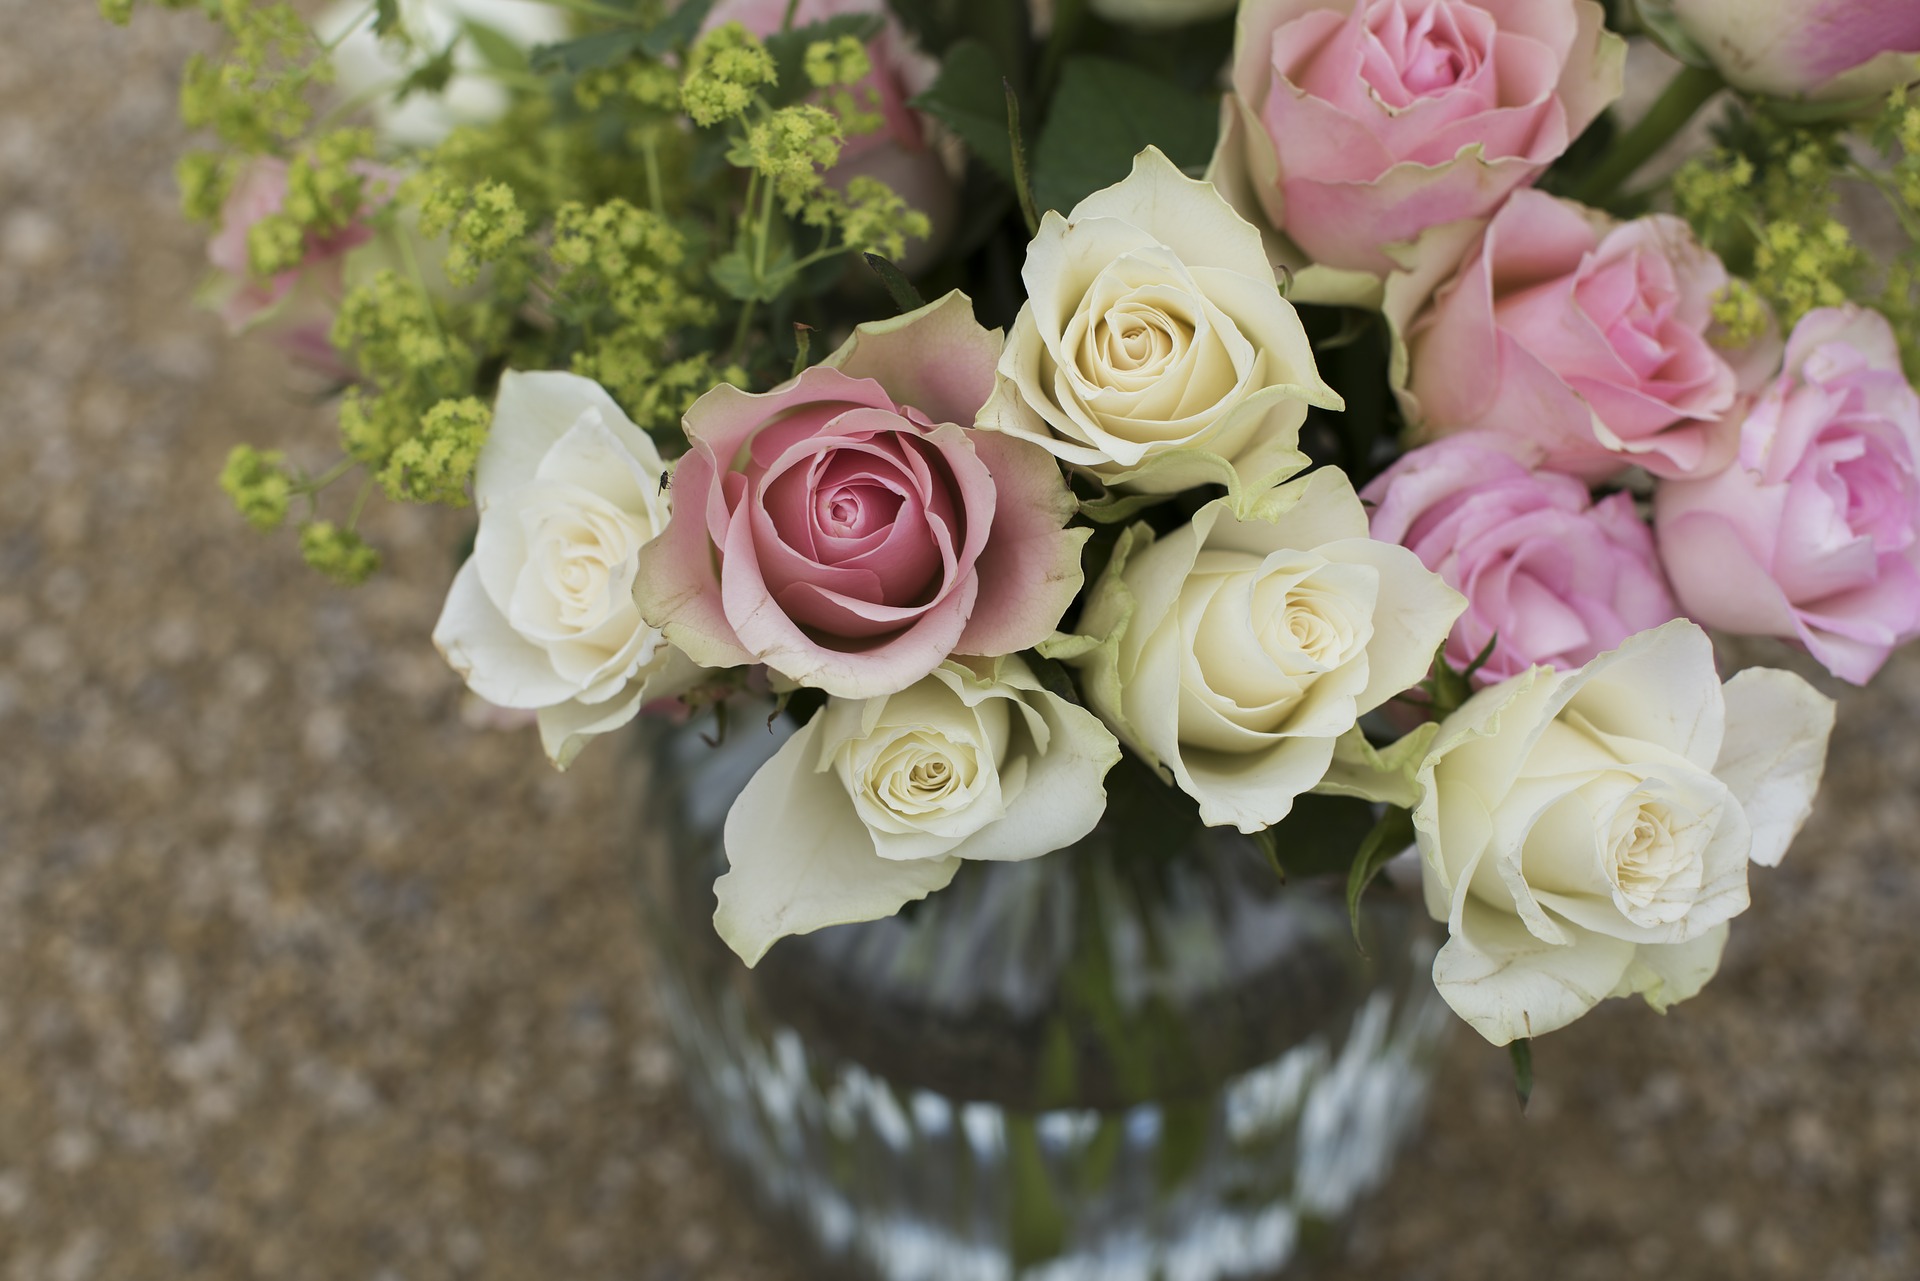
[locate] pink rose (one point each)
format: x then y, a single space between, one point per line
1359 124
848 532
1814 532
1552 577
1587 339
1822 49
900 153
294 308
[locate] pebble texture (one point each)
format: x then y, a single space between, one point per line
305 975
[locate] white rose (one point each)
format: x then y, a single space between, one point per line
542 614
1155 349
368 69
1586 834
1235 653
874 802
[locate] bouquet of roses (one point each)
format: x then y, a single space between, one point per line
1302 397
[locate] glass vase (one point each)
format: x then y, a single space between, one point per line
1120 1061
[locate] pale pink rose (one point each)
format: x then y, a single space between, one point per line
1553 578
1822 49
1359 124
1588 339
847 530
1814 532
295 308
900 153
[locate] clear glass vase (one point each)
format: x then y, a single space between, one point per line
1110 1063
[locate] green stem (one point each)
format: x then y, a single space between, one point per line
328 46
650 153
1684 95
327 477
359 503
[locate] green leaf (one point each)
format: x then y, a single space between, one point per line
677 29
588 53
498 51
1393 833
1521 1052
1112 508
1317 837
1017 143
969 98
905 297
430 76
386 17
1383 774
733 272
1105 114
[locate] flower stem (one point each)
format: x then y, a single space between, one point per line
1684 95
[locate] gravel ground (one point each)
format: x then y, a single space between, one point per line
304 976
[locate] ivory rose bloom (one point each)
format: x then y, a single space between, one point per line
1586 834
1550 576
875 802
1356 125
1821 49
1234 653
1588 340
370 70
542 615
846 530
1814 532
1155 349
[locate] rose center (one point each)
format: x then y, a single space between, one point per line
1650 858
1421 55
1141 342
855 510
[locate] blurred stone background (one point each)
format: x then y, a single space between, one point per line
304 976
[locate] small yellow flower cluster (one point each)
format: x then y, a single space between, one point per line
337 552
433 466
327 189
1769 214
258 484
482 224
725 74
623 275
410 363
1740 315
790 149
255 98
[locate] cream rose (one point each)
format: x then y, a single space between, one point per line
542 615
368 69
1234 653
1155 350
874 802
1586 834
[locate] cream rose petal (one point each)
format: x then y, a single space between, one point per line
1774 753
800 859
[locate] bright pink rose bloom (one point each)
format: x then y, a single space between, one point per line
1814 532
1821 49
295 308
849 532
1552 577
1359 124
901 152
1587 339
